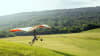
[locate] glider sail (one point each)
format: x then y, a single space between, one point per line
28 29
21 29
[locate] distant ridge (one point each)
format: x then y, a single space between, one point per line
62 20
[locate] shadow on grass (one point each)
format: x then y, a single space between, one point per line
65 54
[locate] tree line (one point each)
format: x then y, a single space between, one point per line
4 34
61 21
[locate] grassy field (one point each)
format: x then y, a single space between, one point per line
74 44
9 48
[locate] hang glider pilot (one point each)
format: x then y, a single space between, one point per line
28 29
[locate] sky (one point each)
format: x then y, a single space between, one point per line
17 6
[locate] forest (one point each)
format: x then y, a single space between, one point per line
61 20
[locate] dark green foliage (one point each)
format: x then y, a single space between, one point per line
6 34
11 35
3 35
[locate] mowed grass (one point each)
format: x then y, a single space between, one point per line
74 44
8 48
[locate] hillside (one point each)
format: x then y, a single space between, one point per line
61 20
97 30
8 48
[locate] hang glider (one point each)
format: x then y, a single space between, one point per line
28 29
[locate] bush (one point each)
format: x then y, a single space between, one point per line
11 35
3 35
6 34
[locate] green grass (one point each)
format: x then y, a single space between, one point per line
76 44
8 48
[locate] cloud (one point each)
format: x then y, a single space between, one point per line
80 3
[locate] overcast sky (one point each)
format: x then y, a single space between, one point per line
16 6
